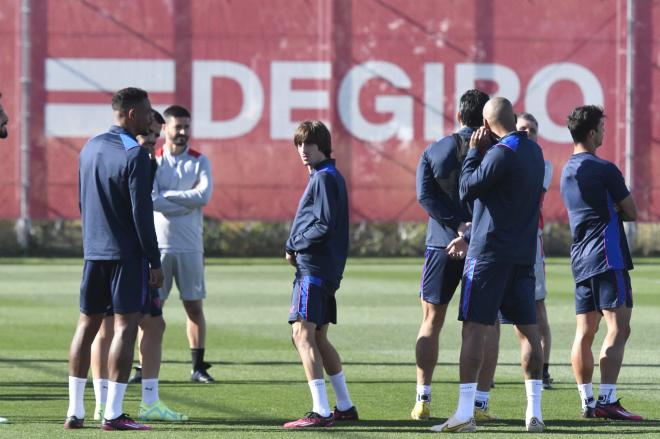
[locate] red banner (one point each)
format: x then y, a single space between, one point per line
385 74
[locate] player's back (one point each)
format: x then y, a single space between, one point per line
590 187
105 201
506 190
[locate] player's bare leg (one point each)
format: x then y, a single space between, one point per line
344 409
151 345
487 373
546 338
611 353
531 361
196 330
99 364
582 358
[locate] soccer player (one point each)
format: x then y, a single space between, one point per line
527 122
317 247
183 185
505 182
151 329
437 192
598 201
4 120
122 260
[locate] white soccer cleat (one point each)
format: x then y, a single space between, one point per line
534 425
453 425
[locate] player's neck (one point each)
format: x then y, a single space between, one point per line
173 148
581 147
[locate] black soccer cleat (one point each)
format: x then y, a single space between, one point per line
201 375
137 376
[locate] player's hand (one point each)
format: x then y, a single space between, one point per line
291 259
462 227
155 278
481 140
457 249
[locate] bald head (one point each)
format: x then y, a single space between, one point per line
498 113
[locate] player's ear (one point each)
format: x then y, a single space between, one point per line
459 118
486 123
130 113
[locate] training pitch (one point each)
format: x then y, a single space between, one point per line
260 381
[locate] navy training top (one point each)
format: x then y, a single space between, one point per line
506 187
319 234
438 162
590 188
115 199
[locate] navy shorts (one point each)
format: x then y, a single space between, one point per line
489 287
120 286
608 290
153 306
440 276
313 300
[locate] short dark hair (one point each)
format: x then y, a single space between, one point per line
314 131
176 111
528 116
582 120
128 98
157 116
471 107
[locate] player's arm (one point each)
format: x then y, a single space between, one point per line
167 207
140 186
325 214
616 187
547 175
478 176
199 195
434 201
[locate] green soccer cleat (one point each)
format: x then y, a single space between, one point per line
481 415
99 410
421 411
158 411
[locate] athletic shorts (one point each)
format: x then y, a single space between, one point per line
440 276
187 271
489 287
115 285
153 306
539 270
313 300
608 290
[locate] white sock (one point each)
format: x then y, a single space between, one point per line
100 390
113 407
343 399
481 400
607 393
466 395
586 395
319 397
534 390
149 390
423 393
76 396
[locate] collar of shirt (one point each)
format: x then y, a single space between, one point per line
325 164
174 159
127 138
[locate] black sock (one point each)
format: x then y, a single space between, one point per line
197 358
545 368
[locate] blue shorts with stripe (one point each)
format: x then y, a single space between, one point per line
440 276
313 300
608 290
492 286
119 286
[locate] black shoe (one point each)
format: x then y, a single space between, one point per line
350 414
201 375
137 376
547 381
589 412
73 422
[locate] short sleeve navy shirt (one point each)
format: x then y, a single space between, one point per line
590 188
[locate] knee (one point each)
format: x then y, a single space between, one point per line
621 333
195 311
300 337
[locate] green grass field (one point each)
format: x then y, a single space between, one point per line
260 381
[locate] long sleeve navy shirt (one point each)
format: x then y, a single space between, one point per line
319 234
439 162
115 199
506 187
